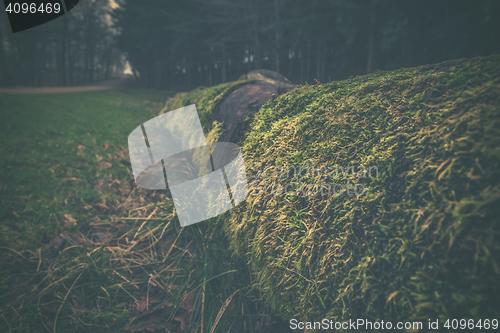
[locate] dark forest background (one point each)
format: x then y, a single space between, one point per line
171 44
77 48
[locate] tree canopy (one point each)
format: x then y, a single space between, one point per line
193 42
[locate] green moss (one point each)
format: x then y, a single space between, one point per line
206 101
421 242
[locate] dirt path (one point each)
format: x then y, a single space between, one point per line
57 90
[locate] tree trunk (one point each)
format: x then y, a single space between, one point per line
3 71
318 64
90 45
369 62
277 37
308 67
255 18
210 65
63 50
70 66
223 64
301 66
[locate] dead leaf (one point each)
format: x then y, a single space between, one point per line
87 208
124 190
77 307
98 185
57 166
142 304
104 165
58 242
106 146
81 151
71 178
183 318
70 221
188 301
101 206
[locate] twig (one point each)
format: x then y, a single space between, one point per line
8 248
148 218
173 244
39 258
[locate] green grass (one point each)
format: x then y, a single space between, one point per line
422 242
55 182
78 252
51 147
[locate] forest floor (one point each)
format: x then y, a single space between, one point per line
63 169
82 249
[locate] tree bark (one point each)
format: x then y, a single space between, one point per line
318 63
223 64
369 61
301 65
62 51
308 67
3 71
255 20
277 37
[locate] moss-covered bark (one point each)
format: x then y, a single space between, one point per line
422 241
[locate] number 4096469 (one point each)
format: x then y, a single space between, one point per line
33 8
471 324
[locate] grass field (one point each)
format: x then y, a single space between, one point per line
55 149
63 168
82 248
